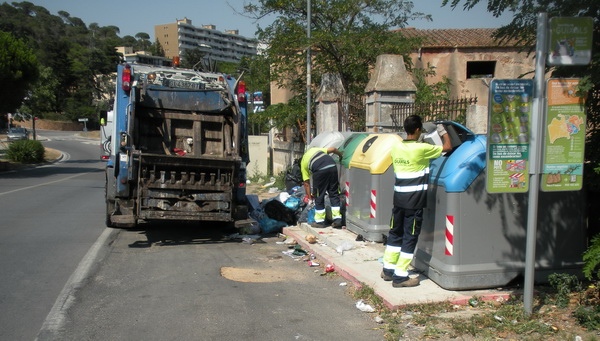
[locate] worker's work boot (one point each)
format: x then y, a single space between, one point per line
337 223
387 275
404 282
318 225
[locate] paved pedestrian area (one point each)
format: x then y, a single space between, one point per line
361 264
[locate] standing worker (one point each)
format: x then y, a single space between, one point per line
410 159
322 167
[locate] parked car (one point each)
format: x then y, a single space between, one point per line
15 134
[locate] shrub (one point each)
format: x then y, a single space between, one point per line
591 259
564 285
27 151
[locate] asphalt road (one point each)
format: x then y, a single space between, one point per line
50 217
69 278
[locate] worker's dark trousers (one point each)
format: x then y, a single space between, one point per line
326 181
405 227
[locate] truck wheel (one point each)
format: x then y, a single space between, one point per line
110 209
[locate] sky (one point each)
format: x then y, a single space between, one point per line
134 16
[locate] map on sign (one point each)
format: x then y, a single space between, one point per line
564 126
565 137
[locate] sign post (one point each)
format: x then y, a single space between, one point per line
84 120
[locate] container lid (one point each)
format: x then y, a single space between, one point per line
374 152
327 139
349 145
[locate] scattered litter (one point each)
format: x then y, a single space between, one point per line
244 237
473 302
329 268
311 238
290 241
362 306
378 319
343 284
292 254
313 263
345 246
248 240
360 238
270 183
298 251
283 197
273 190
498 318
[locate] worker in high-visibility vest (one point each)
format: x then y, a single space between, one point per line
317 162
410 159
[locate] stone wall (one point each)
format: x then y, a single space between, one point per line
52 125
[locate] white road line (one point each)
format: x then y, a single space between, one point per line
58 314
44 184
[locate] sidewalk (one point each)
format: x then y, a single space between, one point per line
361 265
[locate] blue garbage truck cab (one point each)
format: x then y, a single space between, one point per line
471 239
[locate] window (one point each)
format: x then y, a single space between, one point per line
481 69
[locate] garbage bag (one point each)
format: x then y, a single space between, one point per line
293 176
278 211
268 225
292 203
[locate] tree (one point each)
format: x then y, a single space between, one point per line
347 37
143 41
192 57
18 71
42 97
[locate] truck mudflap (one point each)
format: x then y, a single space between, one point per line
186 188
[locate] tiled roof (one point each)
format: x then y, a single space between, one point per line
462 37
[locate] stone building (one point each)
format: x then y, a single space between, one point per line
470 58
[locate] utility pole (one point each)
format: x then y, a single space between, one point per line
308 73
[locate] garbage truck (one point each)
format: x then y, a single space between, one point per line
179 147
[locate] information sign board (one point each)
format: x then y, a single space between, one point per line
564 137
508 135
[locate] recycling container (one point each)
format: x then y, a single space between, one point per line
371 186
471 239
328 139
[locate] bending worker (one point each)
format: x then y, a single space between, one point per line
410 159
322 167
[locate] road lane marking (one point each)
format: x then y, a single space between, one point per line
58 314
44 184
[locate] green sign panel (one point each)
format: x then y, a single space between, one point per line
564 137
508 135
570 41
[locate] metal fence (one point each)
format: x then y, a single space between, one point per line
353 112
450 110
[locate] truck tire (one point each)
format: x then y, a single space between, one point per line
110 209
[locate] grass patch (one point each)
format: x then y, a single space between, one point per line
495 320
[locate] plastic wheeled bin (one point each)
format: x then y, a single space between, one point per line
347 148
329 139
471 239
371 186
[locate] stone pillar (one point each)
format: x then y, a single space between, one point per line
329 117
477 119
390 83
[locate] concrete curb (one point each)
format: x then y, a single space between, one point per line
361 265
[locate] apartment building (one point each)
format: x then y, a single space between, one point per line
227 46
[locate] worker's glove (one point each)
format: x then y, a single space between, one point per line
441 130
